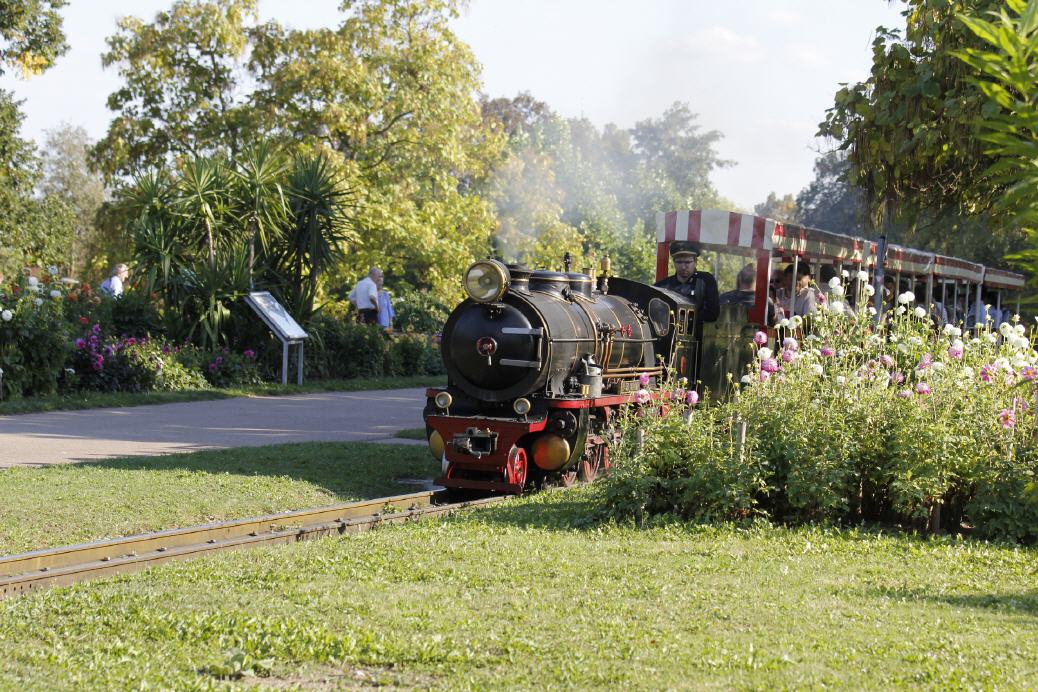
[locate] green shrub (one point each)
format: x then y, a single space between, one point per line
34 340
853 422
691 466
419 311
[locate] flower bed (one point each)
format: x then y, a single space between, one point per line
59 339
899 423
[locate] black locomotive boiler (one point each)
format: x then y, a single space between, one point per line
539 363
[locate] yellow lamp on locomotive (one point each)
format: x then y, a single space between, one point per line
486 280
444 399
436 445
521 406
550 452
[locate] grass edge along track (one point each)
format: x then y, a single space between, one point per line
66 565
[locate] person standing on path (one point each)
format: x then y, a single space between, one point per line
365 296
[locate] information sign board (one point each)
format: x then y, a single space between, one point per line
275 316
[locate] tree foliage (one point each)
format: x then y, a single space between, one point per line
34 230
565 185
908 129
181 93
830 201
67 176
779 208
1006 68
31 35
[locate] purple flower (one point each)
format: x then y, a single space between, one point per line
887 361
769 365
765 375
692 398
643 379
904 394
925 362
790 344
96 329
897 378
109 351
760 338
788 356
922 388
642 396
1007 419
1028 373
955 352
250 354
985 373
827 352
219 360
165 349
212 367
81 343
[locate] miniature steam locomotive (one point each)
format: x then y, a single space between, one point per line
539 364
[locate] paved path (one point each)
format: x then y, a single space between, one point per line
69 436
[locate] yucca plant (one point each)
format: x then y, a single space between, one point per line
319 227
258 203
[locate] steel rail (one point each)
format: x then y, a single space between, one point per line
42 569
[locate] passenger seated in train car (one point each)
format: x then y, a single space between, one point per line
806 299
889 292
990 316
826 273
745 294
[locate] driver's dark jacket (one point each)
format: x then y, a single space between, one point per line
702 288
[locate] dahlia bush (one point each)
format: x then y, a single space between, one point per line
851 419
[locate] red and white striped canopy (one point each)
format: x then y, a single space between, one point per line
718 228
1000 278
814 242
960 270
907 261
745 233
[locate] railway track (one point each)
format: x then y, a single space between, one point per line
43 569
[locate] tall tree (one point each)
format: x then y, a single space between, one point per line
829 201
394 93
67 176
909 129
183 85
31 35
779 208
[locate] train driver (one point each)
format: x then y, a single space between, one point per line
700 286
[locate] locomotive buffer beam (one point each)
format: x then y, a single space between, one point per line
475 442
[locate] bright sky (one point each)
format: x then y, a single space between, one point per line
760 71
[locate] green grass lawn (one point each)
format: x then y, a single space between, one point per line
63 504
411 434
107 400
535 594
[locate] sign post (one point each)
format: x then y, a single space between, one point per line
284 327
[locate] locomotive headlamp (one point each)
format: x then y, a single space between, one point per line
486 281
444 399
521 406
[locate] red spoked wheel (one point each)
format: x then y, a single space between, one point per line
517 467
567 478
595 459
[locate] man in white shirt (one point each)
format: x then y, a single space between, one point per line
365 296
113 285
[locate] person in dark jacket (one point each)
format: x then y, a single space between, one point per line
700 286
